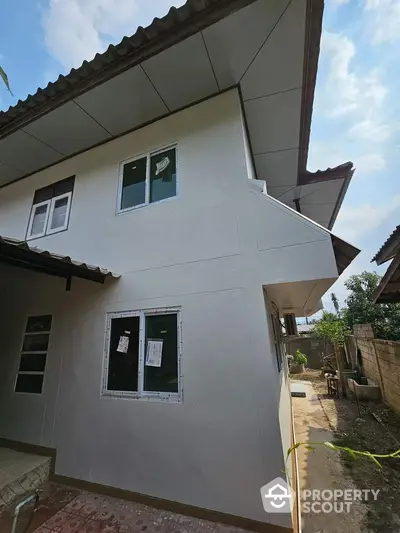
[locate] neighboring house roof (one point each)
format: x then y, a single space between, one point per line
78 102
305 328
20 254
388 290
389 248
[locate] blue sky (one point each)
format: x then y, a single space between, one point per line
356 110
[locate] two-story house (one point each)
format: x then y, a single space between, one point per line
177 161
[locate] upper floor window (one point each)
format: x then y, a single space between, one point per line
50 209
147 179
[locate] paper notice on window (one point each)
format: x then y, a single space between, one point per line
123 344
154 352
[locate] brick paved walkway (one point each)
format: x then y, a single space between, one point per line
66 510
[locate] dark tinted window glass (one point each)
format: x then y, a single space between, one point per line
165 377
64 186
32 362
134 183
36 343
123 366
41 195
163 175
38 323
29 383
55 189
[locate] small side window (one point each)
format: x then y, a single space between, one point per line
38 221
50 209
32 364
59 213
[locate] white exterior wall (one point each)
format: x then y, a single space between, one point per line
207 252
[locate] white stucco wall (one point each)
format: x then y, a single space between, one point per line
209 251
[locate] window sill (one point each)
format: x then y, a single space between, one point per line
28 239
157 397
141 206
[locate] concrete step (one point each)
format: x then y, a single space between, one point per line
20 473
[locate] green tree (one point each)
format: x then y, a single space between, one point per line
335 303
360 309
331 328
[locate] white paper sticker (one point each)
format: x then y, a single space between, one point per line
154 352
162 165
123 344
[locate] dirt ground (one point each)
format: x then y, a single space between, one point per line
367 426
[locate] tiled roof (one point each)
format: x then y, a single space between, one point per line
19 253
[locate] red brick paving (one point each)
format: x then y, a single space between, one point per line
66 510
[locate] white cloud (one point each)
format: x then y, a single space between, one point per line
369 130
355 221
350 90
338 150
369 163
351 94
385 20
76 30
340 2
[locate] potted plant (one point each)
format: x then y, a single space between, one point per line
299 360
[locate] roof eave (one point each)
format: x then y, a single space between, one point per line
383 294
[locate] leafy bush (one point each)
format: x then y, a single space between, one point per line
300 358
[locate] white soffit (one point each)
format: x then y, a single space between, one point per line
78 131
8 174
279 64
183 73
234 42
317 200
124 101
274 122
278 168
21 151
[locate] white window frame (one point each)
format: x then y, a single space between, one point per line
148 156
29 352
141 394
33 211
52 207
49 216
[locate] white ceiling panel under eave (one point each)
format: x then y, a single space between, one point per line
235 41
128 99
278 66
274 123
78 130
183 73
20 151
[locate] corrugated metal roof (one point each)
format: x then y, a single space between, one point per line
388 290
20 254
162 33
389 241
343 171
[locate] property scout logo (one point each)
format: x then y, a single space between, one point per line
278 497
